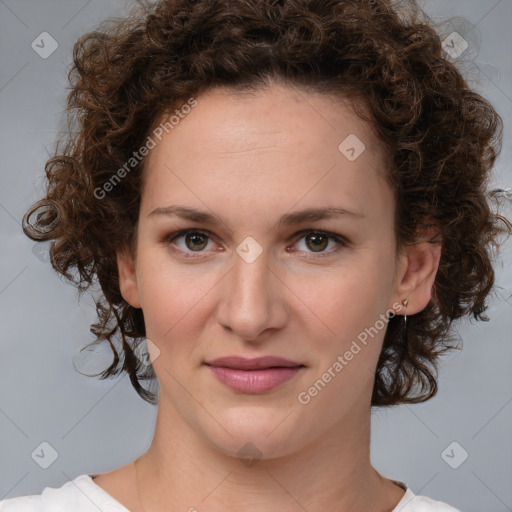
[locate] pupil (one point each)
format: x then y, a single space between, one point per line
194 237
316 237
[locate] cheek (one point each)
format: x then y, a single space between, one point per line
345 307
333 306
172 296
354 292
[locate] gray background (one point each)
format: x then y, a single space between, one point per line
95 426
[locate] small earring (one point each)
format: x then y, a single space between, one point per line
403 325
404 303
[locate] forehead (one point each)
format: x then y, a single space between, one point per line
279 143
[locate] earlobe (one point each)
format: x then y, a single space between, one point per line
128 278
420 263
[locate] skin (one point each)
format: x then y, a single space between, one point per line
250 158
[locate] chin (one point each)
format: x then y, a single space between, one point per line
255 435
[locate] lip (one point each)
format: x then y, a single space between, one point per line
257 363
254 376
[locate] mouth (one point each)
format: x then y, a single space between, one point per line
254 376
258 363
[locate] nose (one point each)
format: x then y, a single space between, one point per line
253 299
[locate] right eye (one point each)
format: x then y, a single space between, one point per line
194 241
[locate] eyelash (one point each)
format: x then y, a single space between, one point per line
338 238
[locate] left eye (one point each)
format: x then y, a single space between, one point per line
319 240
197 241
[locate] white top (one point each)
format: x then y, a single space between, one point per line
83 495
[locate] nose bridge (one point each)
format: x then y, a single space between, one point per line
252 302
250 279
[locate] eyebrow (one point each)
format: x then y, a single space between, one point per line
289 219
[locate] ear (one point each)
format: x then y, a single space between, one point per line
128 278
417 269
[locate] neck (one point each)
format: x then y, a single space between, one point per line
334 473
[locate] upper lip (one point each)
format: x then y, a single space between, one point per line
242 363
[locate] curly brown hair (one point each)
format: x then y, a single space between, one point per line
441 140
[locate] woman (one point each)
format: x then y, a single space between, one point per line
287 201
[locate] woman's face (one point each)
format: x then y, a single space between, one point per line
257 283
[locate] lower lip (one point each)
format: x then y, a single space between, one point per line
254 381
